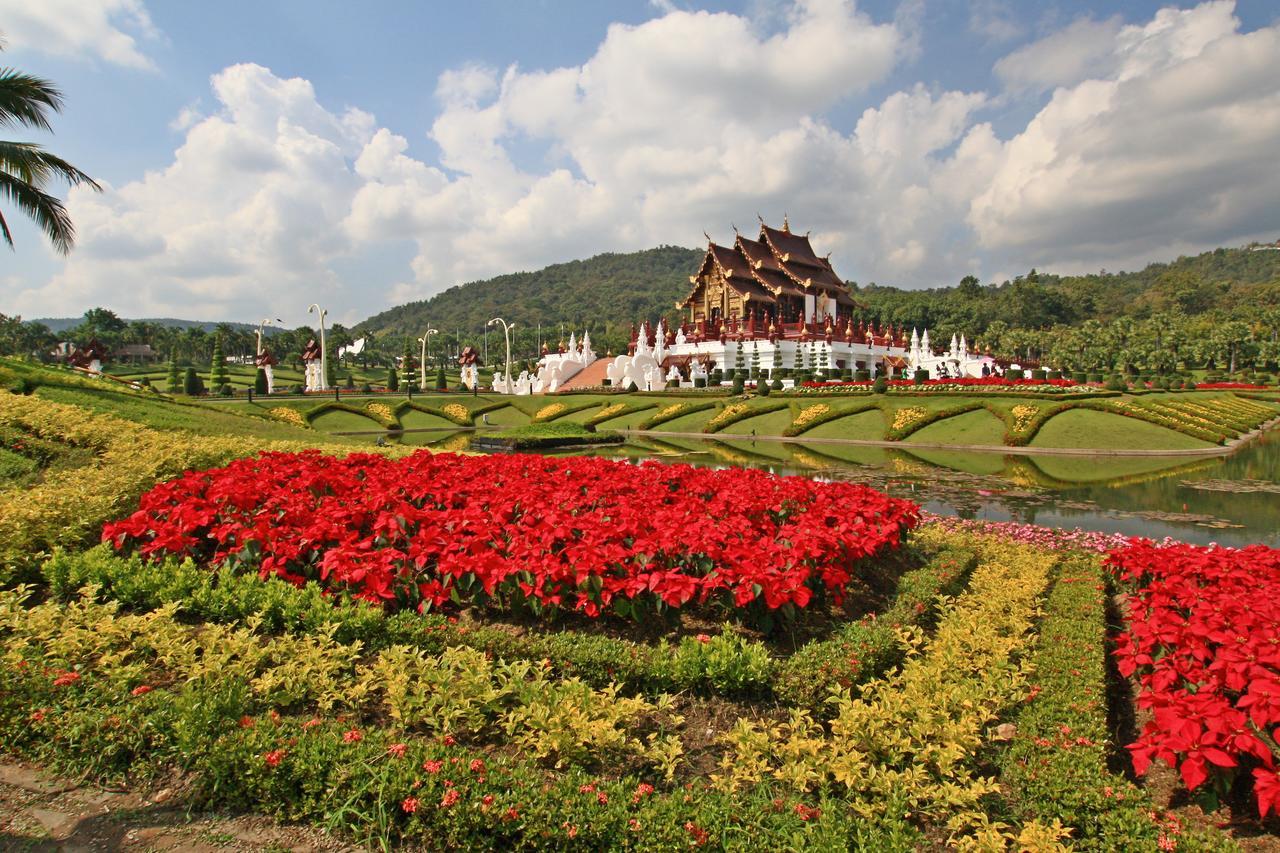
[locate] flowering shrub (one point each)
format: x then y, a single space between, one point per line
1023 416
1204 639
670 413
292 416
381 411
907 416
735 412
547 413
457 413
809 415
583 534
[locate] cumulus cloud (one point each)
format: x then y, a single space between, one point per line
1161 141
104 29
247 215
1170 146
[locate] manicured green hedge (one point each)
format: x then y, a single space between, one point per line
863 650
1055 766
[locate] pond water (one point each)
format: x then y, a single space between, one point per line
1232 500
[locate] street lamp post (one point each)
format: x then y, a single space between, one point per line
324 350
422 362
260 325
506 333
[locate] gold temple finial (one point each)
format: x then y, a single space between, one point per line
786 226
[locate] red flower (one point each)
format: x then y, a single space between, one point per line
397 750
65 678
140 690
311 723
273 757
246 722
450 798
352 736
703 638
486 800
409 805
477 766
602 798
450 740
432 766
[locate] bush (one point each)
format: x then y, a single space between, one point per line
633 388
1013 373
23 386
776 385
762 388
393 379
606 382
442 384
1039 373
297 389
260 382
191 384
351 383
1095 377
717 376
366 388
226 391
920 376
862 376
700 382
881 385
1116 383
737 385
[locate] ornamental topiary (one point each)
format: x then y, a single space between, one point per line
881 385
442 383
393 379
191 384
260 381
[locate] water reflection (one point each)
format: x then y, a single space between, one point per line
1232 500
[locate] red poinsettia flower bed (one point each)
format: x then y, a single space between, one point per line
576 533
1204 637
960 382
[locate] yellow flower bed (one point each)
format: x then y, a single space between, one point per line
915 737
609 411
457 412
382 411
1023 416
809 414
546 413
668 412
289 416
727 415
905 417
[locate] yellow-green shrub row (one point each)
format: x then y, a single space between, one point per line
913 738
461 692
69 507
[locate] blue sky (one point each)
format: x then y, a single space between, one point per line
259 156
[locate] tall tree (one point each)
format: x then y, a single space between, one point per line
26 169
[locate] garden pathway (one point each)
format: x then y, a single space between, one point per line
43 813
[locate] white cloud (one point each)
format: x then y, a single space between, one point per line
1161 141
1171 146
994 20
247 216
104 29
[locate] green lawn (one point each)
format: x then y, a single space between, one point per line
1084 428
413 419
339 421
867 426
976 427
770 423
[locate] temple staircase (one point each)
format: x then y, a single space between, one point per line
591 376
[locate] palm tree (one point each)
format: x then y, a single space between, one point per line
27 169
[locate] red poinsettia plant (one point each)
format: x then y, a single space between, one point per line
1204 639
576 533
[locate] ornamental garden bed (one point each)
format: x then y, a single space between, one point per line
544 436
418 650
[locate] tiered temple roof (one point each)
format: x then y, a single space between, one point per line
768 277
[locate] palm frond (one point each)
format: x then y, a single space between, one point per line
45 210
27 100
38 167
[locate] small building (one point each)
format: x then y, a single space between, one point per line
136 354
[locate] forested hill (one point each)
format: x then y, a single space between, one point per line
610 289
1224 282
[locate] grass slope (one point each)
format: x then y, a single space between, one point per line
1085 428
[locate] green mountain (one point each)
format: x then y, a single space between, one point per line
603 293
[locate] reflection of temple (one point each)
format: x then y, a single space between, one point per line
775 280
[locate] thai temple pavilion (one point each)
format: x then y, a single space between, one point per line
776 280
